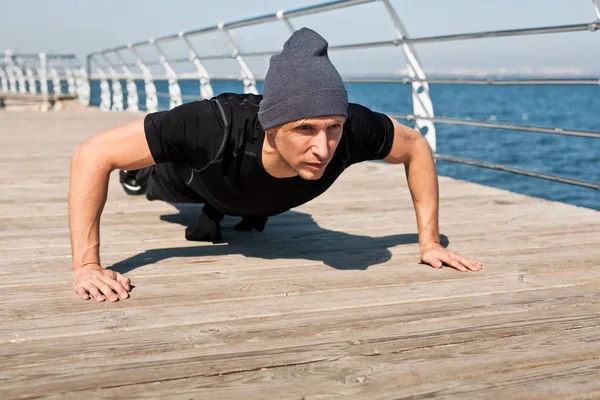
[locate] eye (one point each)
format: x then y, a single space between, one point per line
304 128
335 126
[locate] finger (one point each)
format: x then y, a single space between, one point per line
117 287
107 291
455 264
83 294
466 262
93 290
433 261
124 281
476 263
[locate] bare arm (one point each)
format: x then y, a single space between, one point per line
412 150
123 147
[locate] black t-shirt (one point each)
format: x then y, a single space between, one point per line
221 140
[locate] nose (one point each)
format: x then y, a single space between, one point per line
319 146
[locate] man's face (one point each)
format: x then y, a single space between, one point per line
308 145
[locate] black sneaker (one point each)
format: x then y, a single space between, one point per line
130 184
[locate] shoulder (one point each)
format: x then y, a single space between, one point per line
360 113
362 120
369 134
357 110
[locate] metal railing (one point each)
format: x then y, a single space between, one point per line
46 75
104 68
112 96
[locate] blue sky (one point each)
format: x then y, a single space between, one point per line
69 26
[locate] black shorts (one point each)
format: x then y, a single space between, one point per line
166 182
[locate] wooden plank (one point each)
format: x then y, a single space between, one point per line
300 326
468 349
195 263
181 304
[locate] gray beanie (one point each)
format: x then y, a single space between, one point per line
302 83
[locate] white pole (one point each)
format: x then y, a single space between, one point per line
44 82
422 104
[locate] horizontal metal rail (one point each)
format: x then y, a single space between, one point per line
511 127
498 82
591 27
248 22
49 56
500 167
192 76
402 80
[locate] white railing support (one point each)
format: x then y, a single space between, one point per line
247 76
206 90
70 75
12 79
3 81
117 90
132 94
55 80
149 87
18 67
422 104
31 80
43 73
83 86
105 98
281 16
596 4
174 89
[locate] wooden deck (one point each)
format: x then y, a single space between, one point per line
328 303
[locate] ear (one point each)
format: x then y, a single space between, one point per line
271 132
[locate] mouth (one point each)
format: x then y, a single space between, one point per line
317 166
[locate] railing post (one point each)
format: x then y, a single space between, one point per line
206 90
55 81
117 90
104 90
149 87
596 4
281 16
174 89
70 80
247 76
3 81
132 94
20 76
422 104
83 86
43 74
31 80
12 79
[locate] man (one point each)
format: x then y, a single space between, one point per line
250 156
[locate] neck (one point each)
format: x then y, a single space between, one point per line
272 161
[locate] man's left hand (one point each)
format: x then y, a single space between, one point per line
436 255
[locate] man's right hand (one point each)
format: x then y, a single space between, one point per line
99 283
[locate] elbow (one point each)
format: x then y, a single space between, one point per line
88 155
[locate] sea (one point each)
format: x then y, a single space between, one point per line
567 107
